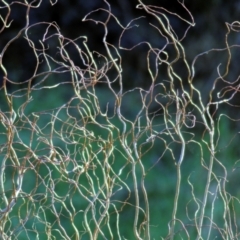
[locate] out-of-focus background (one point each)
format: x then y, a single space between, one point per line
209 32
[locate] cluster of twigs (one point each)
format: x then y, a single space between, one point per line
65 171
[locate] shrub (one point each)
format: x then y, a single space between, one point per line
84 157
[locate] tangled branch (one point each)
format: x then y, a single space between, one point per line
74 170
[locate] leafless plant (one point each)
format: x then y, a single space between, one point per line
61 178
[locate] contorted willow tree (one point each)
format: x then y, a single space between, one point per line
73 171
